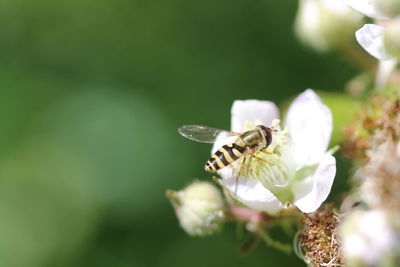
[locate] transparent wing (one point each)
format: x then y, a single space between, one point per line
201 133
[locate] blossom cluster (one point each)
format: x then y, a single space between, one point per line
290 178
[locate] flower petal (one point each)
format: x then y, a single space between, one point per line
250 192
311 192
367 7
249 113
309 124
370 37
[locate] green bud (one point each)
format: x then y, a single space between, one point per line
199 208
390 8
326 24
392 38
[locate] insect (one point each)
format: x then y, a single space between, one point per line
246 143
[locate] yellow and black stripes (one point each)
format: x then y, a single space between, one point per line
224 156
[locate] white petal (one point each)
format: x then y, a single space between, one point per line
370 37
311 192
250 113
309 124
250 192
366 7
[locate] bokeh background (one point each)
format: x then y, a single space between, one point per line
92 93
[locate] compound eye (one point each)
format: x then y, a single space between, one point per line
267 133
268 136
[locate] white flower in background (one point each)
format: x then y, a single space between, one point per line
326 24
299 169
380 41
375 38
369 239
199 208
378 9
392 37
371 38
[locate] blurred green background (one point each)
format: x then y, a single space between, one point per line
92 93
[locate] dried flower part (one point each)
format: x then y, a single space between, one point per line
319 240
378 122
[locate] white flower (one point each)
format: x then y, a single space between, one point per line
369 239
367 7
373 37
378 9
326 24
377 40
299 169
392 37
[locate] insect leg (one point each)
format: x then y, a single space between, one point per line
260 159
265 152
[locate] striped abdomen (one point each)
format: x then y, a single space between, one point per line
224 156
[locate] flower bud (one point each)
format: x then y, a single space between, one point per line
389 8
326 24
369 239
199 208
392 38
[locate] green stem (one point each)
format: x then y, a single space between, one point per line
285 248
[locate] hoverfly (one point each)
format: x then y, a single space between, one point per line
246 143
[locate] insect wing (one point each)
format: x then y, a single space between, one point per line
203 134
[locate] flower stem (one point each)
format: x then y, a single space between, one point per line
285 248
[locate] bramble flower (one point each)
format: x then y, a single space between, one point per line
369 239
326 24
199 208
380 41
392 38
379 9
297 168
371 38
